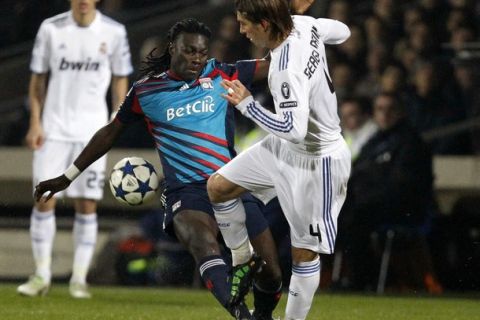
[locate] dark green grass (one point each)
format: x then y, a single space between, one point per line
120 303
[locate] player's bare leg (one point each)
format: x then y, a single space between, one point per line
85 229
42 233
303 283
198 231
267 287
221 189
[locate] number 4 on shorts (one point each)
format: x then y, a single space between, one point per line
316 233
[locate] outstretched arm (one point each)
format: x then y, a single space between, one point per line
333 31
100 143
300 6
291 118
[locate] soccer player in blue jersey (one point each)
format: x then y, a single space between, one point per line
180 99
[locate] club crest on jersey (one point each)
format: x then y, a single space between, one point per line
285 90
103 48
206 83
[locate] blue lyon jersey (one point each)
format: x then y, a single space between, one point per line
191 124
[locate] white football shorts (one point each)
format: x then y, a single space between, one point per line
54 157
311 189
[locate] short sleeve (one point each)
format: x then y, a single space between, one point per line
130 110
243 70
246 71
121 57
41 51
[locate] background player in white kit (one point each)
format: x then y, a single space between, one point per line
79 52
305 158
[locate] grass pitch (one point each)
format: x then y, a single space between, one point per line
121 303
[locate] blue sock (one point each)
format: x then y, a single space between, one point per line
214 273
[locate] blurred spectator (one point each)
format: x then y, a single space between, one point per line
412 32
433 103
391 188
421 39
376 32
369 84
456 18
353 50
435 14
411 16
393 79
340 10
467 75
357 124
461 36
343 80
387 11
229 45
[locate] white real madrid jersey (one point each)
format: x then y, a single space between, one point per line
302 90
80 62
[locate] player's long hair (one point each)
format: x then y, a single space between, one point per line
157 64
276 12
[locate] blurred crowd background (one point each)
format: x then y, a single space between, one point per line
407 83
425 51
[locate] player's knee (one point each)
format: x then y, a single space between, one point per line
270 278
85 206
199 239
214 188
300 255
203 245
274 273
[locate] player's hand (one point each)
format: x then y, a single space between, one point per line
300 6
52 186
34 137
236 91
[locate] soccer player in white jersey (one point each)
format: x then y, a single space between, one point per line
79 53
304 158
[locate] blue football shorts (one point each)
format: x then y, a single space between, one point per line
195 197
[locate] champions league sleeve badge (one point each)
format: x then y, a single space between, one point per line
206 83
285 90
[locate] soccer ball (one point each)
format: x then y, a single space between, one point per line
133 181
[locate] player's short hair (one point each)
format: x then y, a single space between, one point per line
157 64
276 12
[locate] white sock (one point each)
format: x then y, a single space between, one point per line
230 216
242 254
42 233
303 285
84 238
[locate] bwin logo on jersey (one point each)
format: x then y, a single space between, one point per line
285 90
205 105
88 65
